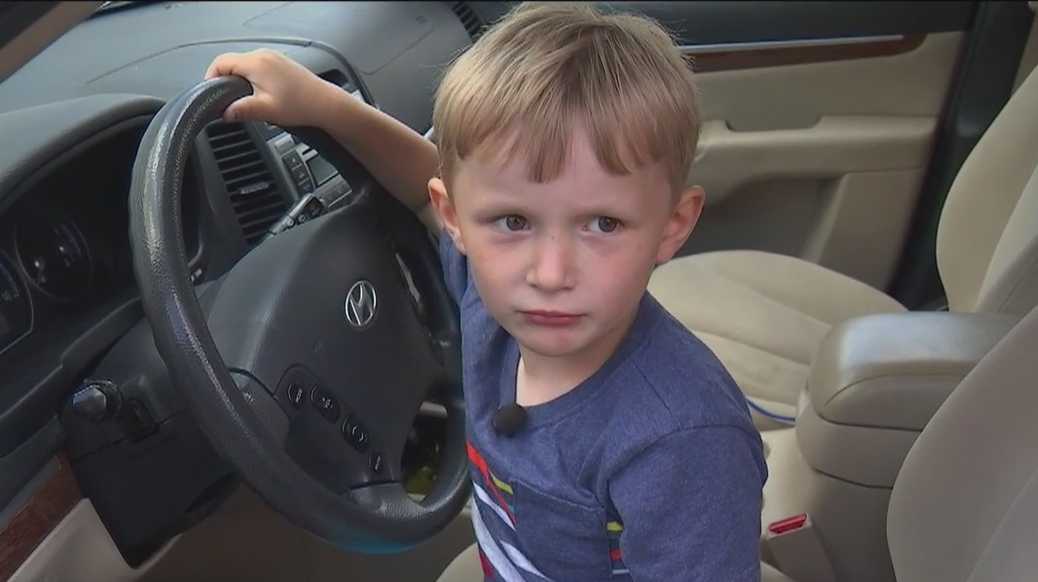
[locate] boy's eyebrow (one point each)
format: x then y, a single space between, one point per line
611 206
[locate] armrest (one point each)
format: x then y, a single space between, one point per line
895 370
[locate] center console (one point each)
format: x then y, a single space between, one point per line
877 380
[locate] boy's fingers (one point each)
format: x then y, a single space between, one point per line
225 64
243 109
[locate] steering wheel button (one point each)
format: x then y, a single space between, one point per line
331 412
360 439
292 161
325 404
356 434
295 394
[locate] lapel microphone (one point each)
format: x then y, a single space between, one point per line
509 419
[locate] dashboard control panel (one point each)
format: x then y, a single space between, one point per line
318 185
15 311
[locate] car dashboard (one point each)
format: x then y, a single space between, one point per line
74 117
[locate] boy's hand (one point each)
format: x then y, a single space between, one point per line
284 92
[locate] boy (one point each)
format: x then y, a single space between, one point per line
565 137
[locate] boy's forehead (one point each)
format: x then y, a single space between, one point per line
499 160
492 173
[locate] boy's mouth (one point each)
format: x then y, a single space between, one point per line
550 318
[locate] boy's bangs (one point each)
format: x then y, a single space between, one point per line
523 92
622 141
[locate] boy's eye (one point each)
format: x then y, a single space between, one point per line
512 222
604 224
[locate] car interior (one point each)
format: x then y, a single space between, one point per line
866 267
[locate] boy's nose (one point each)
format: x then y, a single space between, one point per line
552 268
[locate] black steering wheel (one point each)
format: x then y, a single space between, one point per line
307 362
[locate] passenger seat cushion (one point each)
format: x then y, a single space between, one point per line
763 314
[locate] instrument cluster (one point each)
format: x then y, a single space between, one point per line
65 255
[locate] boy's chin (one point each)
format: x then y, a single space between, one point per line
552 343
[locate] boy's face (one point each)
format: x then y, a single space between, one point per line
562 265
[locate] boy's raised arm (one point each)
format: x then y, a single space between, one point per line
286 93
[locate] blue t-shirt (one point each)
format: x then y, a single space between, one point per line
648 470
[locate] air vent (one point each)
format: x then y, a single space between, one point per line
469 19
339 79
251 188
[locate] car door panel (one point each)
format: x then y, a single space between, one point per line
820 160
797 94
819 120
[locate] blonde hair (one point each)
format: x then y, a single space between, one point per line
544 68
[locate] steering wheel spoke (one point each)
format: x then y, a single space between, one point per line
332 440
262 405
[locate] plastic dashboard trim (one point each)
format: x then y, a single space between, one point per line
63 130
11 266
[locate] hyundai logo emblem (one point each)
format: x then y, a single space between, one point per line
361 303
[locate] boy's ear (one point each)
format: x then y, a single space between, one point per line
444 207
682 220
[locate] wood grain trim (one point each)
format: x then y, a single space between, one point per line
775 57
40 514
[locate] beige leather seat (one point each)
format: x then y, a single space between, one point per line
765 314
965 503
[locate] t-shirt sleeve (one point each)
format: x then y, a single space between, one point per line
455 267
690 508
